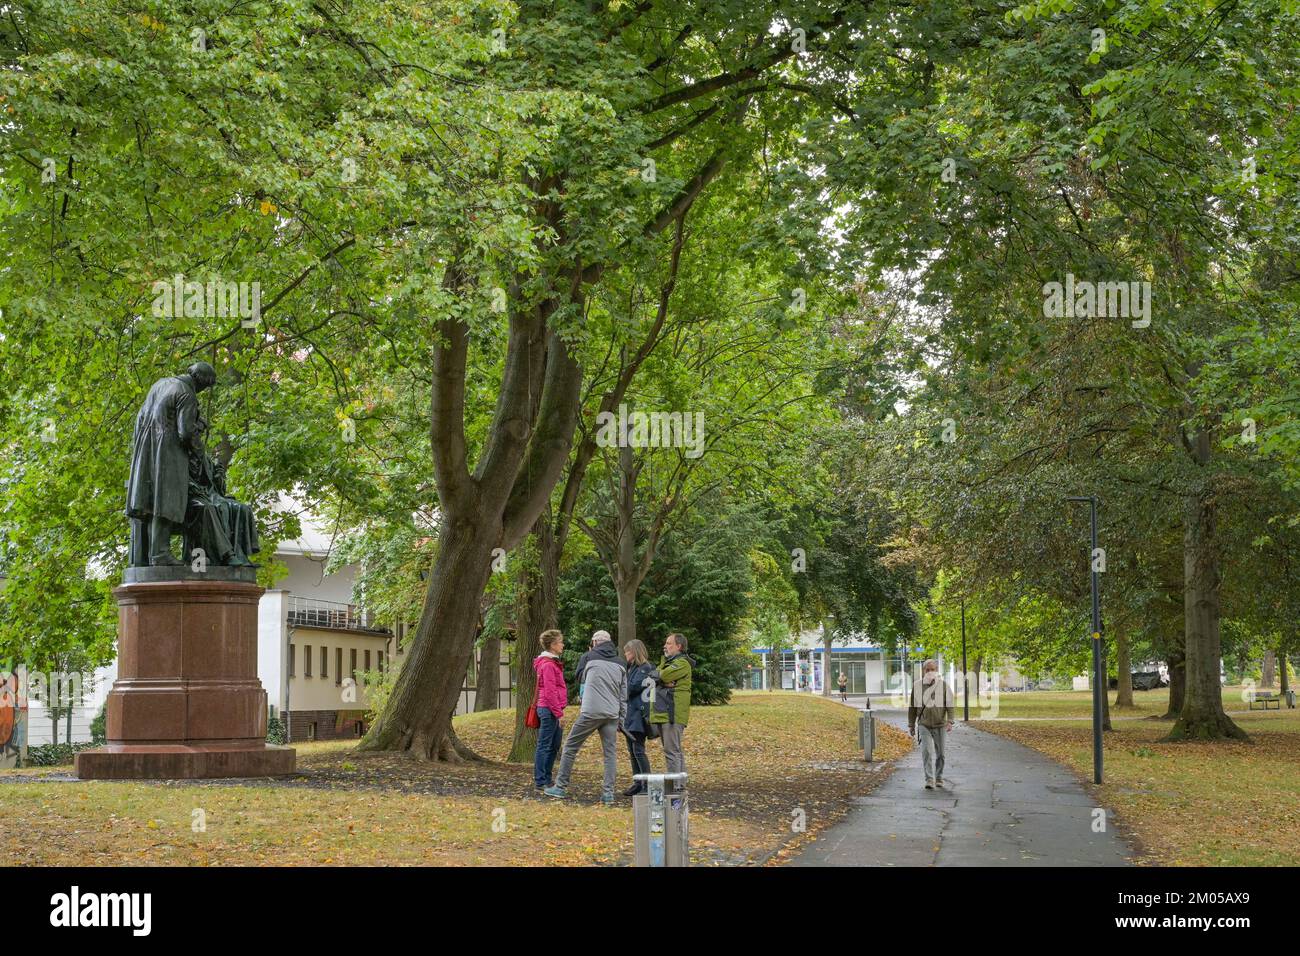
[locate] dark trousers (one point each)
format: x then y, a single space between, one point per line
636 753
548 745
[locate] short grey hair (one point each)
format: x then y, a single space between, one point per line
600 637
930 662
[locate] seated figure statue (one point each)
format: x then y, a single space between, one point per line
221 526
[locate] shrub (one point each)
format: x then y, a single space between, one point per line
54 755
274 730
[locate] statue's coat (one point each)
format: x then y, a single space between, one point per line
166 429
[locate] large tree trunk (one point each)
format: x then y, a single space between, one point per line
1282 671
827 680
523 457
1177 685
1123 668
626 591
1267 670
1202 716
539 612
418 716
487 693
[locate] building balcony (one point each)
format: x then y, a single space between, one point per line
332 615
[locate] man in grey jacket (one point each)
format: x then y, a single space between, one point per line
931 706
603 679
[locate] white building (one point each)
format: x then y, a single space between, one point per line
870 669
314 644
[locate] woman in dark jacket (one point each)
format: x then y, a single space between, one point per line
637 722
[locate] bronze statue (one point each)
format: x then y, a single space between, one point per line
220 526
174 486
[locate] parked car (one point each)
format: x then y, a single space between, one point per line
1148 680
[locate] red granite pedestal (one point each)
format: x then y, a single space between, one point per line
187 702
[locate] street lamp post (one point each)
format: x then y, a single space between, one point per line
1098 677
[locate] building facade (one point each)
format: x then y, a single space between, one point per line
870 669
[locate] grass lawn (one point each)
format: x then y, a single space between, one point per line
1189 804
1078 703
754 763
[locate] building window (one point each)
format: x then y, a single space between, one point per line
311 730
338 666
381 662
292 657
306 661
353 667
367 660
324 661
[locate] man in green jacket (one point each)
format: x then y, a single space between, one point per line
672 700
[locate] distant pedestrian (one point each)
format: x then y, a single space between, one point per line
552 695
671 707
931 707
640 687
844 687
603 679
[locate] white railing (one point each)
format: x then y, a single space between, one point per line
310 612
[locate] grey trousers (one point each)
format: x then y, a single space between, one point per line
932 751
583 728
671 736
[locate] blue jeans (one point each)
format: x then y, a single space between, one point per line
548 745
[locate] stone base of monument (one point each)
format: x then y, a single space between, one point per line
187 702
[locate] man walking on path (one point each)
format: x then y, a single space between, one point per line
672 701
931 704
603 679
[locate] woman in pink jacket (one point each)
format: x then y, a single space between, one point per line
552 695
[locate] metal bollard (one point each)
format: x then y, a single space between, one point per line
661 822
867 734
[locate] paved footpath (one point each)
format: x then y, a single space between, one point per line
1002 804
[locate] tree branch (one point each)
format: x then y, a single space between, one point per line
783 51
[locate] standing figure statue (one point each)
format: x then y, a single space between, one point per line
174 486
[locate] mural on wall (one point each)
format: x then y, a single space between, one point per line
13 721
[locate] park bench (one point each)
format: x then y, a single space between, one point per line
1264 700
